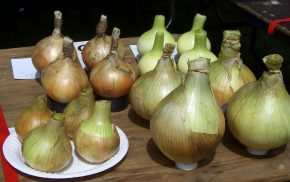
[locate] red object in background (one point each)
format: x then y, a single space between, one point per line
274 23
10 175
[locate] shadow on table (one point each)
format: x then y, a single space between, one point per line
136 119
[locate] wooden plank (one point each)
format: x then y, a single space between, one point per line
268 10
144 161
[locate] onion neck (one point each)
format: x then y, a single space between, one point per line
159 22
56 122
102 26
57 20
158 41
102 112
165 63
198 71
198 22
273 79
40 103
200 40
231 45
86 96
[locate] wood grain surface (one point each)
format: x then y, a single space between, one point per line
144 161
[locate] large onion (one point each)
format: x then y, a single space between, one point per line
47 148
146 40
49 49
113 76
186 40
149 89
188 124
63 79
99 47
258 113
199 50
97 139
229 73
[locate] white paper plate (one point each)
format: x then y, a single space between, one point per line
77 168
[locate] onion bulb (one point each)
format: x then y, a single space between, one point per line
229 73
63 79
199 50
149 89
78 110
113 76
97 139
149 60
186 40
47 148
188 124
146 40
258 113
34 116
49 49
99 47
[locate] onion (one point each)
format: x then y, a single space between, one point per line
113 76
49 49
34 116
97 139
186 40
149 89
258 113
99 47
47 148
149 60
188 124
229 73
146 40
63 79
199 50
78 110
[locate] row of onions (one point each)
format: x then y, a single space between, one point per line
47 136
181 98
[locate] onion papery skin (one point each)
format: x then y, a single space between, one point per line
49 49
99 47
188 124
78 110
258 113
199 51
149 89
146 40
63 79
47 148
32 117
186 40
229 73
149 60
97 139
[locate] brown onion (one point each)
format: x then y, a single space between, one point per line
63 79
49 48
34 116
113 77
99 47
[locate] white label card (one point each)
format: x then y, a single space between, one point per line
23 68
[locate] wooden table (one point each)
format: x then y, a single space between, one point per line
144 161
267 11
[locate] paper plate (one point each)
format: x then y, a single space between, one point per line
77 167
